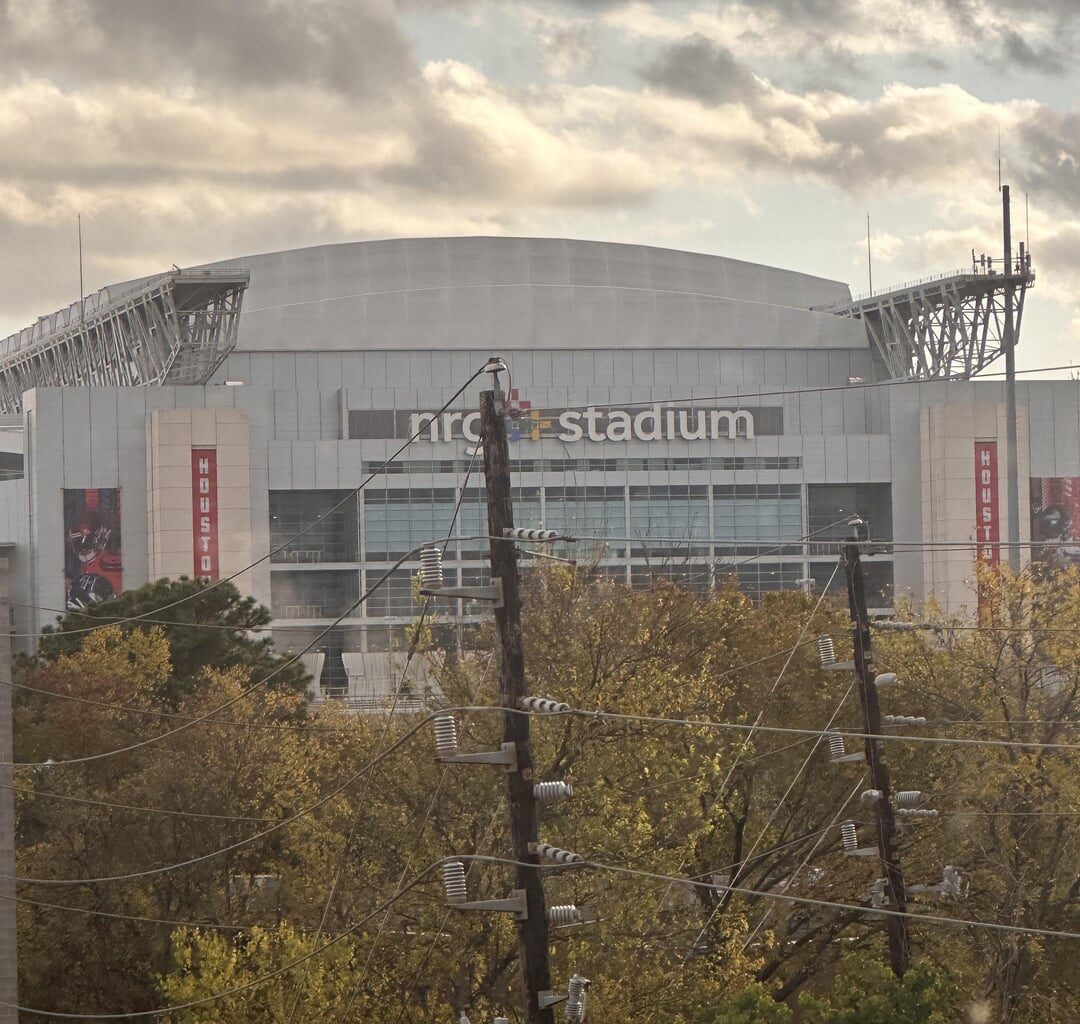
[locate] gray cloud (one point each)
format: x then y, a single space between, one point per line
351 46
702 69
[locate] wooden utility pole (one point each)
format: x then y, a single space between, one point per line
895 893
524 825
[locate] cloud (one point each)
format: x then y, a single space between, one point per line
703 69
349 46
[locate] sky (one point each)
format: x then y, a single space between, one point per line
186 131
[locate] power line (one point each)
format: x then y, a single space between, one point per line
247 986
131 807
782 801
790 880
303 812
125 917
812 389
790 730
786 898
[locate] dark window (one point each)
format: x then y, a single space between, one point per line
317 594
372 423
832 505
328 521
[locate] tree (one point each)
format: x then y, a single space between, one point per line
206 625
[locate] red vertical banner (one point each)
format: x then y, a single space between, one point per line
987 520
204 513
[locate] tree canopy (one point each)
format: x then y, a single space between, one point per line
709 806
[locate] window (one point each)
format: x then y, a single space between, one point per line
755 579
586 511
832 505
396 521
748 518
328 521
677 512
473 517
392 598
318 594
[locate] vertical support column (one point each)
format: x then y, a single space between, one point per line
524 825
1011 470
895 893
8 962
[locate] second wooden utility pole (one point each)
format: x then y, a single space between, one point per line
524 824
895 892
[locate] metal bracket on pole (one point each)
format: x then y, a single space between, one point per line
506 756
513 904
857 758
836 666
492 592
862 851
548 998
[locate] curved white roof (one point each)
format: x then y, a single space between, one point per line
498 293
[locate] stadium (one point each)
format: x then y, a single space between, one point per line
690 417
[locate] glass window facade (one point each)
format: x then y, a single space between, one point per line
313 594
395 521
394 597
586 511
473 518
328 519
830 506
666 519
877 581
748 517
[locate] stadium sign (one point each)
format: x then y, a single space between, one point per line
592 423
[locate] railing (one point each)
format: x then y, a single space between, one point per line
79 312
962 272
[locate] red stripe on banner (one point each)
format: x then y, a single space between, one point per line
204 513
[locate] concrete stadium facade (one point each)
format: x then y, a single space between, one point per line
691 417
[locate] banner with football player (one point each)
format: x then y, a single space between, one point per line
93 570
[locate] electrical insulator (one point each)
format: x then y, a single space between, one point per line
548 792
870 797
517 533
446 742
565 913
849 836
836 744
877 894
544 705
502 1020
885 679
453 880
952 882
431 571
575 999
826 651
915 812
553 853
902 720
909 798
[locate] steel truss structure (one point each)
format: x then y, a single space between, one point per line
175 328
951 325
